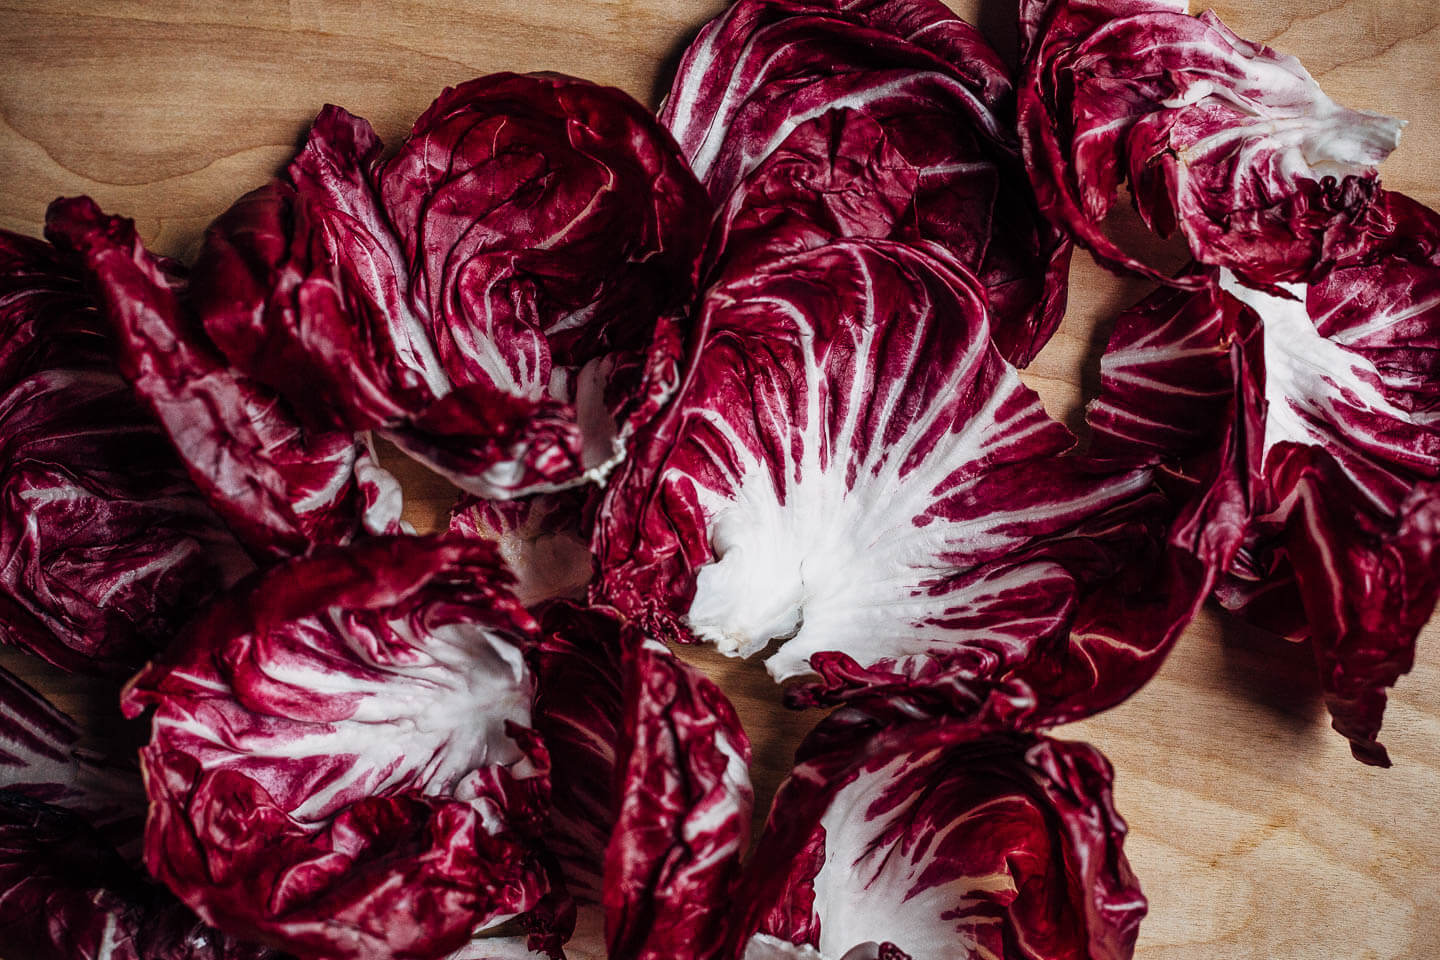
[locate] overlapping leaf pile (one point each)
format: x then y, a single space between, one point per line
742 373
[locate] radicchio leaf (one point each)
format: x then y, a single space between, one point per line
502 298
579 713
341 762
883 119
684 814
651 785
852 468
106 547
65 895
1302 421
279 486
894 840
1231 143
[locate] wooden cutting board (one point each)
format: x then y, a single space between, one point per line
1253 831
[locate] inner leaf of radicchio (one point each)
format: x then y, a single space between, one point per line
345 741
882 119
852 468
1229 142
106 547
503 298
1301 422
939 838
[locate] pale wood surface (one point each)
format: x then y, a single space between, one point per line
1254 833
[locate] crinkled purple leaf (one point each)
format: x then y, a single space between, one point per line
836 175
1168 383
279 486
651 788
65 895
542 539
897 839
606 209
503 297
579 713
1231 143
893 119
684 815
853 469
341 761
106 547
272 294
1302 419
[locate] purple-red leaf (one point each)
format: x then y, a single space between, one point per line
895 839
279 486
106 547
1229 142
341 760
503 298
65 895
881 119
1300 421
853 469
683 819
651 787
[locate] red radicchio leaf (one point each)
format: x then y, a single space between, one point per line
652 797
65 895
278 485
341 762
1228 141
894 118
895 839
579 713
502 298
684 813
107 546
853 468
1302 421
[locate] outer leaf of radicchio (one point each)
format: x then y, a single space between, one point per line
1303 419
893 840
279 486
341 762
883 119
502 298
652 797
66 895
851 467
106 547
1229 142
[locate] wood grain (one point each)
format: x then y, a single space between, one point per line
1254 832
